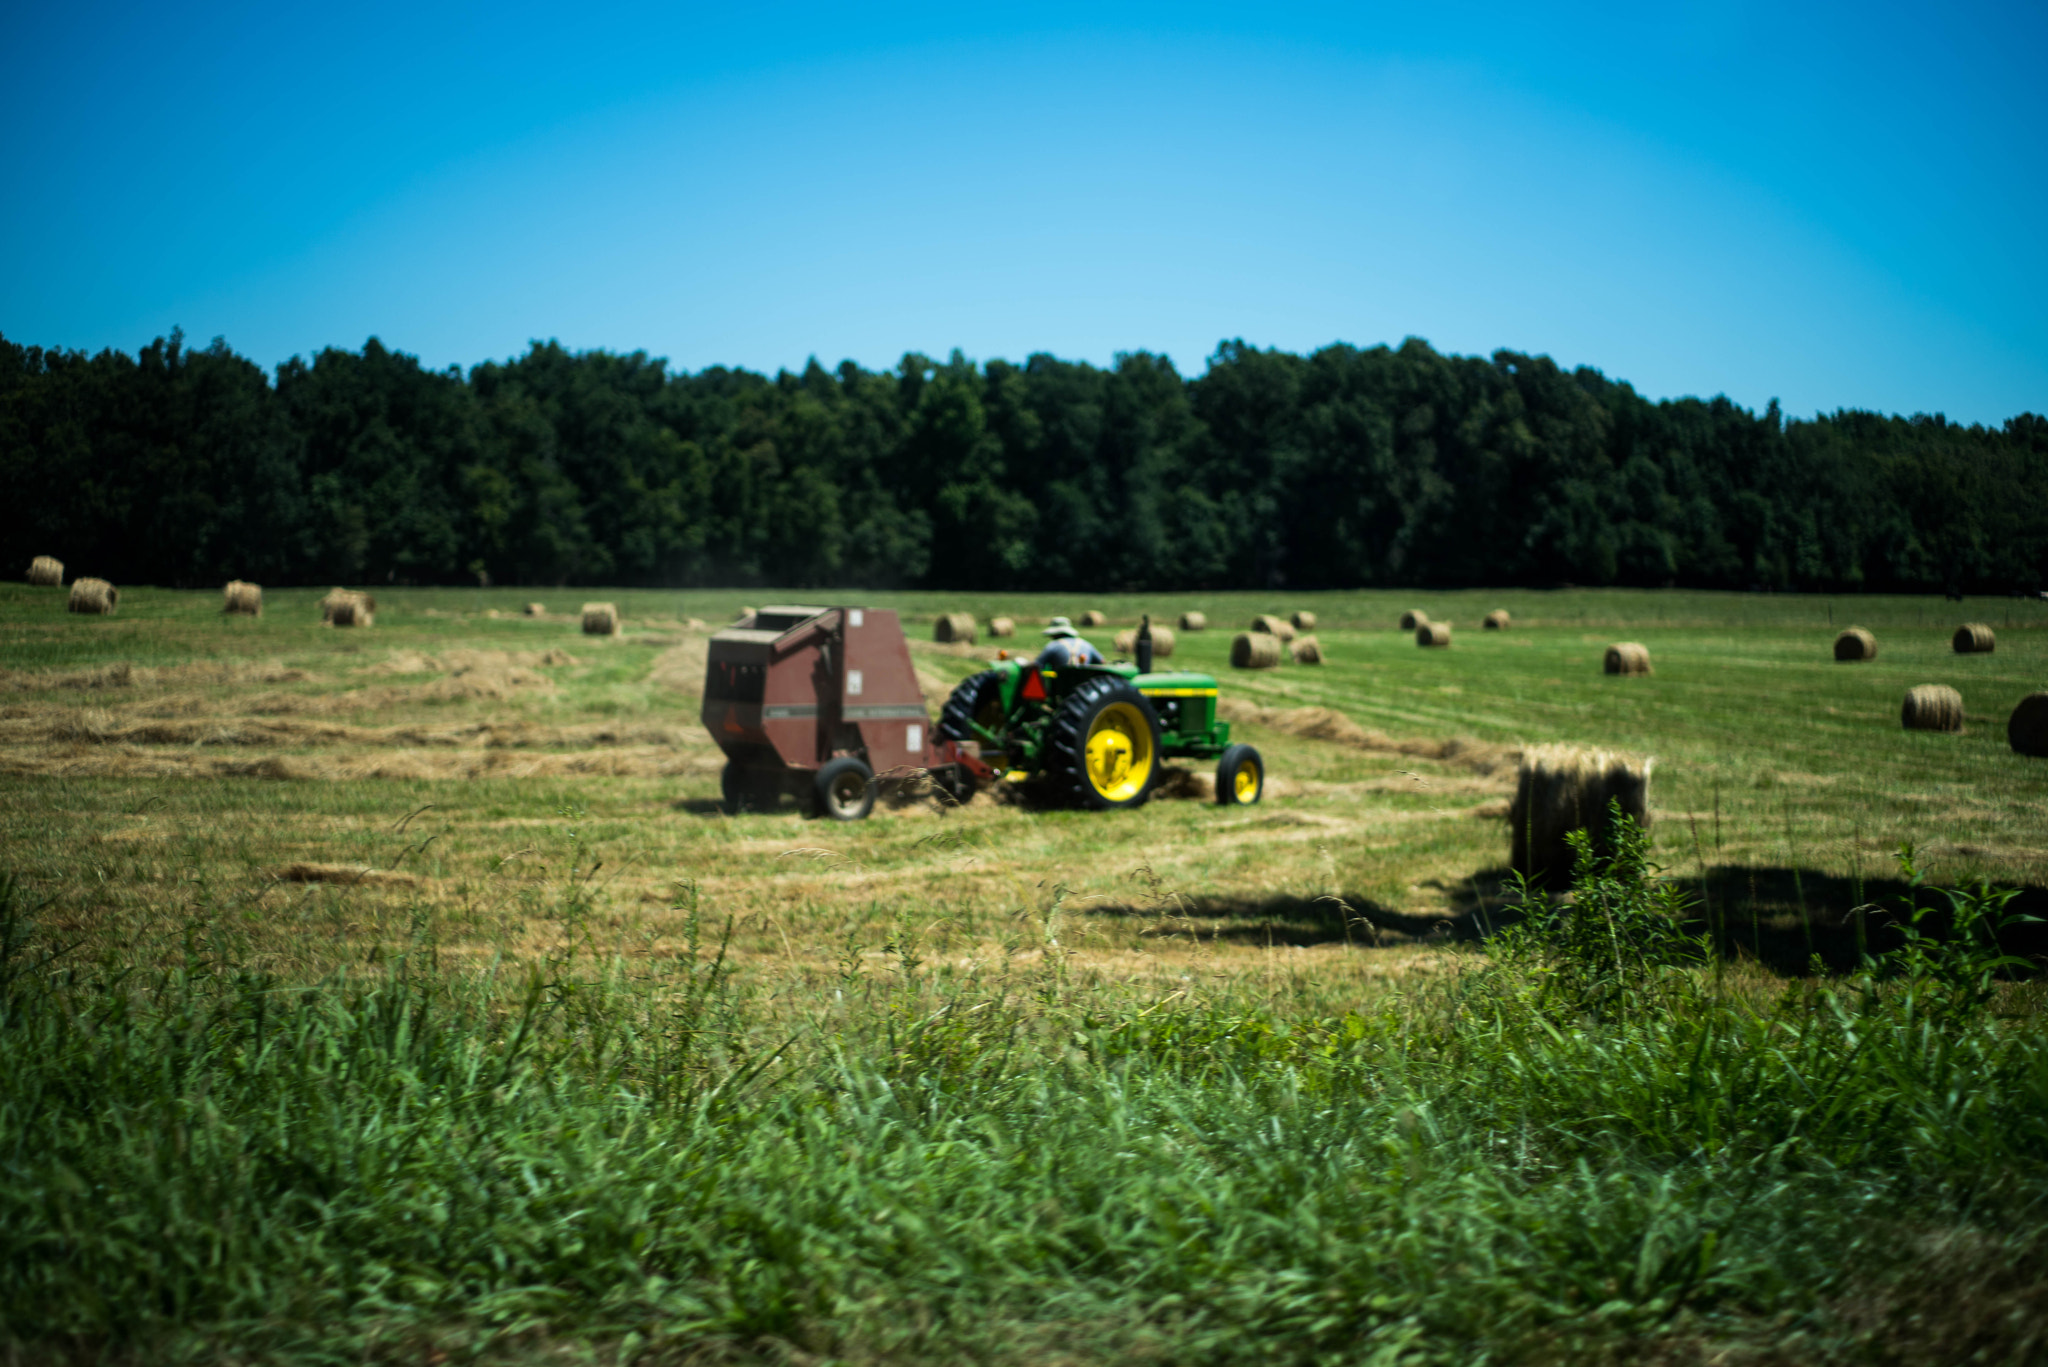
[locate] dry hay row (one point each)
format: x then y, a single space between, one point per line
122 674
90 728
1325 724
406 766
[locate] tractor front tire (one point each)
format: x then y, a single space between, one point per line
1240 777
1102 746
978 699
844 789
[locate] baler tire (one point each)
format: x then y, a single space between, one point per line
844 789
1089 714
965 703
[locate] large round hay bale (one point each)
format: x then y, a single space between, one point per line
1974 638
1855 644
1413 618
2026 730
334 599
1497 620
600 619
349 609
1002 626
242 598
1194 621
1560 789
1092 618
47 571
1162 642
1626 657
1254 650
1932 707
1303 621
1274 626
1306 650
534 610
1433 634
954 628
94 596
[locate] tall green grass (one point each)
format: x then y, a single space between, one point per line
213 1164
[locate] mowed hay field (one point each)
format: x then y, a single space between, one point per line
404 994
171 757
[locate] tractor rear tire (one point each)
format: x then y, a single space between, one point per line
1102 746
844 789
979 698
1240 777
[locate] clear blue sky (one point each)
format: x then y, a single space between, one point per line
1838 205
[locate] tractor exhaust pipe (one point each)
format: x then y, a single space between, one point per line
1145 646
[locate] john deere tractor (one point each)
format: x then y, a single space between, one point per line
1095 735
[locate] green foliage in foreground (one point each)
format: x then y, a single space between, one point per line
213 1163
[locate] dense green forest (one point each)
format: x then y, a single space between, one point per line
1348 467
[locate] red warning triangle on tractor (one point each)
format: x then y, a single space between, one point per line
732 722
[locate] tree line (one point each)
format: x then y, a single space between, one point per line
1348 467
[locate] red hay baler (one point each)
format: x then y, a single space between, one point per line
824 703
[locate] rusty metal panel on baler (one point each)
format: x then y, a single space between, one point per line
882 698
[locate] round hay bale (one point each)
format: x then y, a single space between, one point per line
334 599
47 571
1092 618
242 598
1274 626
94 596
2026 730
1254 650
534 610
1127 641
1194 621
954 628
1002 626
350 609
1303 621
1932 707
1855 644
1413 618
1560 789
1305 650
1162 642
1974 638
1497 620
1433 634
600 619
1626 657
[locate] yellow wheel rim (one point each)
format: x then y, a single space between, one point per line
1245 782
1119 752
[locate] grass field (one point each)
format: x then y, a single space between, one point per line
825 1071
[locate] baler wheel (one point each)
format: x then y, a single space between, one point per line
1102 749
844 789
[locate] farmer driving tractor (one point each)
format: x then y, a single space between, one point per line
1066 647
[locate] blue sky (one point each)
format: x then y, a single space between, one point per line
1835 205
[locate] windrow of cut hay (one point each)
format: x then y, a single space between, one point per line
242 599
1194 621
1497 620
1162 642
1306 650
1626 657
1433 634
600 619
1562 788
95 597
1931 707
1002 628
1974 638
1327 724
1254 650
955 628
1413 618
1273 626
46 571
2026 730
1855 644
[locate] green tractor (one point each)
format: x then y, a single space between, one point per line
1095 735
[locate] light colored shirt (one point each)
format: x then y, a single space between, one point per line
1068 650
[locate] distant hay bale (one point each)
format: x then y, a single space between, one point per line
1560 789
1194 621
343 608
1274 626
600 619
954 628
1855 644
1306 650
1497 620
94 596
1433 634
1413 618
1303 621
1254 650
1626 657
534 610
1932 707
1002 626
2027 729
47 571
242 599
1162 642
1092 618
1974 638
